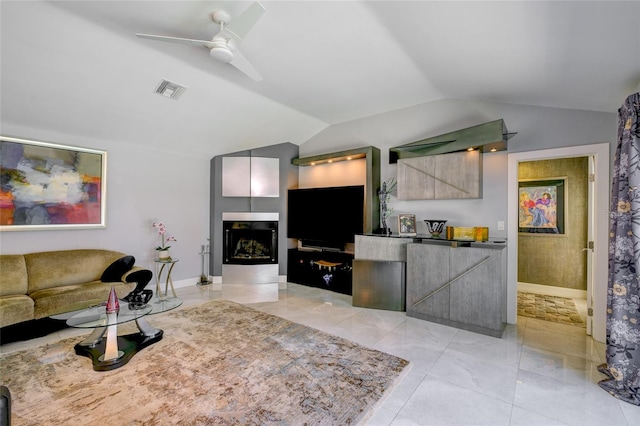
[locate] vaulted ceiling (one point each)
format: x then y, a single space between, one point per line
76 67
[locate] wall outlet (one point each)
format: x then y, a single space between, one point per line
501 225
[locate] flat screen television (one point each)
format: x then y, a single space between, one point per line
325 217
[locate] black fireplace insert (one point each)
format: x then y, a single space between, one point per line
250 242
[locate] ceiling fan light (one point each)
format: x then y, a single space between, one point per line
221 53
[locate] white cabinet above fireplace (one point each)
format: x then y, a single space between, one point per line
250 177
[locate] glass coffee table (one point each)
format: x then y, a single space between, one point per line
112 351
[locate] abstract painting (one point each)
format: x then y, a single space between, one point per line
47 186
541 206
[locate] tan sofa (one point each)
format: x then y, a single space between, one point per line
38 285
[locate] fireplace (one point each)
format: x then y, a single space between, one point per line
249 247
250 242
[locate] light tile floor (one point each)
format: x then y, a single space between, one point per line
539 373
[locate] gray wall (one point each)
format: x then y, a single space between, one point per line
148 184
143 186
537 127
219 204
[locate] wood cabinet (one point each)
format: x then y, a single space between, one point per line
441 177
463 287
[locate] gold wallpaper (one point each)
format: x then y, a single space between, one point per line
558 260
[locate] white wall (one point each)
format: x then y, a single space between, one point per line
143 186
537 128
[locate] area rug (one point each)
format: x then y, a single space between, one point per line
219 363
549 308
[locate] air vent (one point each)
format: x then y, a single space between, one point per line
169 89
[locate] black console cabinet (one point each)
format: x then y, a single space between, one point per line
324 269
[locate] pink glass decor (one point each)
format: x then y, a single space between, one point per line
113 306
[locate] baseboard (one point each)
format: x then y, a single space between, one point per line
184 283
552 290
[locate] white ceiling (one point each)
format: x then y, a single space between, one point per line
77 67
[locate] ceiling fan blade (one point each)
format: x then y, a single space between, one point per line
241 63
198 43
240 26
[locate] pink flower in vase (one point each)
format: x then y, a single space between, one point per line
162 231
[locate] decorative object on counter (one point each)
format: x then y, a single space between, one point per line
113 306
407 225
163 248
435 226
204 274
384 194
467 233
482 233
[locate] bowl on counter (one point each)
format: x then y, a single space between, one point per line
435 226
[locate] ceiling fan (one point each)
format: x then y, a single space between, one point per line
223 46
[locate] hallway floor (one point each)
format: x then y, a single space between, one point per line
563 310
539 373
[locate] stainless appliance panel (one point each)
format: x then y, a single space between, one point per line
379 284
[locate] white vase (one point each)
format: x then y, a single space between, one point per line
163 254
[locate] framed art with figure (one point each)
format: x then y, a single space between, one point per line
45 186
407 225
541 208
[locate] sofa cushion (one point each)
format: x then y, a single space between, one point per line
57 300
117 269
15 309
13 275
67 267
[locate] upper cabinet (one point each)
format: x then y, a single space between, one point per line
441 177
250 177
447 166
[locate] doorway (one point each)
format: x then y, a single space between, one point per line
598 229
553 225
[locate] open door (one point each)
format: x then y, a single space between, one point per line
589 250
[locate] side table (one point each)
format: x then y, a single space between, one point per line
160 267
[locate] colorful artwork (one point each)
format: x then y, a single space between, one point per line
48 186
541 207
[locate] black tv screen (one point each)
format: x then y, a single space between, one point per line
325 217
